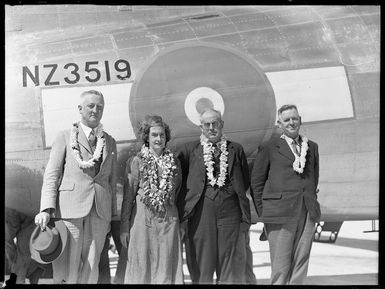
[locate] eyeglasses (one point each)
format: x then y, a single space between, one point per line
208 125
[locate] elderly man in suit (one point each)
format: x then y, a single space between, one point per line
284 181
80 188
213 203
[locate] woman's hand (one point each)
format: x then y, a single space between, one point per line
125 239
183 230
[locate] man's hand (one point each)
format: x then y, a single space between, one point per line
42 219
125 239
244 227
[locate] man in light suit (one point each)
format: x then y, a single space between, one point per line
284 181
213 204
79 187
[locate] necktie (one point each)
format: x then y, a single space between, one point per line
294 146
92 139
217 153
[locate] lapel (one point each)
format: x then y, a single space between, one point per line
230 159
83 140
105 149
198 158
283 149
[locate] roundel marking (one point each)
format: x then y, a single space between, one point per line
183 79
200 99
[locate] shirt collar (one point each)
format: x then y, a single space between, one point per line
86 129
290 140
204 138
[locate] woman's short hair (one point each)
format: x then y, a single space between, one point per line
151 121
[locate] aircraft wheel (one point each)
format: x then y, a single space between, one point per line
333 237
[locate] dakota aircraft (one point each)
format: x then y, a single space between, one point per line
175 61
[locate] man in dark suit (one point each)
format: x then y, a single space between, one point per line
284 181
213 203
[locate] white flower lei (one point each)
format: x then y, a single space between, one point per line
208 151
157 189
300 161
76 149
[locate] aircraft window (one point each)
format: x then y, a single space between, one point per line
59 107
319 93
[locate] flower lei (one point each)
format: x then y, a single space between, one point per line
300 161
76 149
157 189
208 151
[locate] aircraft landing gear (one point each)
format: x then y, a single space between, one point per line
332 227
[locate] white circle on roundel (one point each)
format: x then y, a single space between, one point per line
202 98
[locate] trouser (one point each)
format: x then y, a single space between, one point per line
211 243
104 264
244 255
290 246
19 226
122 262
79 262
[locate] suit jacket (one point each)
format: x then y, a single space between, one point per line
71 190
279 191
194 178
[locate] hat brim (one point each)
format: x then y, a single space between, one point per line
62 229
